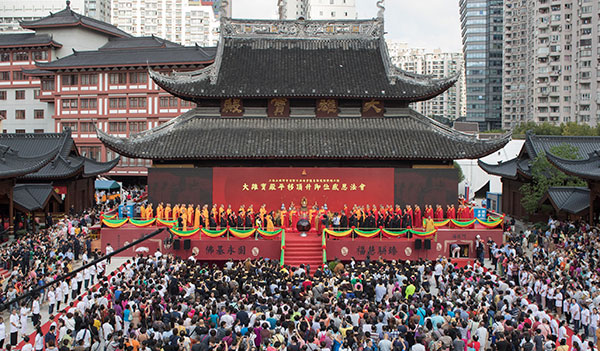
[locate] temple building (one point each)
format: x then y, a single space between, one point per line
45 173
298 110
517 172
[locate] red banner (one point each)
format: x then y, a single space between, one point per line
276 186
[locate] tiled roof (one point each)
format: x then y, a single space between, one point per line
508 169
69 18
64 163
408 137
573 200
143 57
32 197
587 169
27 40
303 59
138 43
536 144
13 164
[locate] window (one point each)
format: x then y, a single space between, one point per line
89 79
38 131
20 56
92 152
20 131
18 75
48 85
20 114
137 102
87 126
117 102
117 127
19 94
4 57
69 79
36 93
2 94
89 104
4 76
138 77
118 78
38 114
136 127
69 104
168 101
69 125
40 55
2 114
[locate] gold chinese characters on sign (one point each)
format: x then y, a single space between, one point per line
232 107
327 108
279 107
372 108
303 185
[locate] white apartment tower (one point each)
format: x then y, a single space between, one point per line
452 103
551 62
186 22
13 11
319 9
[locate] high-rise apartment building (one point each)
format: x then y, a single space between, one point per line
551 62
186 22
319 9
481 25
438 64
14 11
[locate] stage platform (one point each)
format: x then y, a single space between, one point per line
224 248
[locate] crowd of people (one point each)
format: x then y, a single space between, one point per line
542 282
368 216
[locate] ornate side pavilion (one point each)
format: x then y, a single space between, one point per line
302 109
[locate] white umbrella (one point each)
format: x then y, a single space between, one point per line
142 249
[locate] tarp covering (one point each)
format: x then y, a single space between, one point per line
106 185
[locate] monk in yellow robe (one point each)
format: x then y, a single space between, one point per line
284 220
149 212
159 211
143 211
215 213
190 215
270 226
168 212
175 212
184 219
204 215
197 216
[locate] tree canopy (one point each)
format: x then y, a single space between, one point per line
545 175
545 128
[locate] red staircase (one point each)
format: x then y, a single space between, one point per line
303 250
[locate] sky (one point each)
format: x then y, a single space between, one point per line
428 24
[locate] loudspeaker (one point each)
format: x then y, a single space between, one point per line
418 243
187 244
427 244
176 244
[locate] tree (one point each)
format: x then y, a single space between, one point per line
461 175
572 128
545 175
544 128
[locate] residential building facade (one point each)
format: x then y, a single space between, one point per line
481 25
101 82
319 9
14 11
551 62
186 22
438 64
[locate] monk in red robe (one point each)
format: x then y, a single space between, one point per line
429 211
417 217
439 214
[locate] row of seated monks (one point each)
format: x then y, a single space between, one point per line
191 216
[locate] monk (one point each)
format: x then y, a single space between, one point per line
149 212
214 212
452 212
184 219
270 226
417 217
176 212
283 214
262 212
159 211
461 213
292 212
190 215
429 226
197 215
168 212
439 213
312 214
409 212
142 211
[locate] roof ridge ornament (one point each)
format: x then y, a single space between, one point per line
282 7
381 5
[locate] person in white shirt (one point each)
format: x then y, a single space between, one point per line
38 342
585 320
108 251
24 314
27 346
14 327
35 311
51 300
2 333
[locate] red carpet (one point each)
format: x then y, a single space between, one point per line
303 250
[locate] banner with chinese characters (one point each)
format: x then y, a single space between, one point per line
335 187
